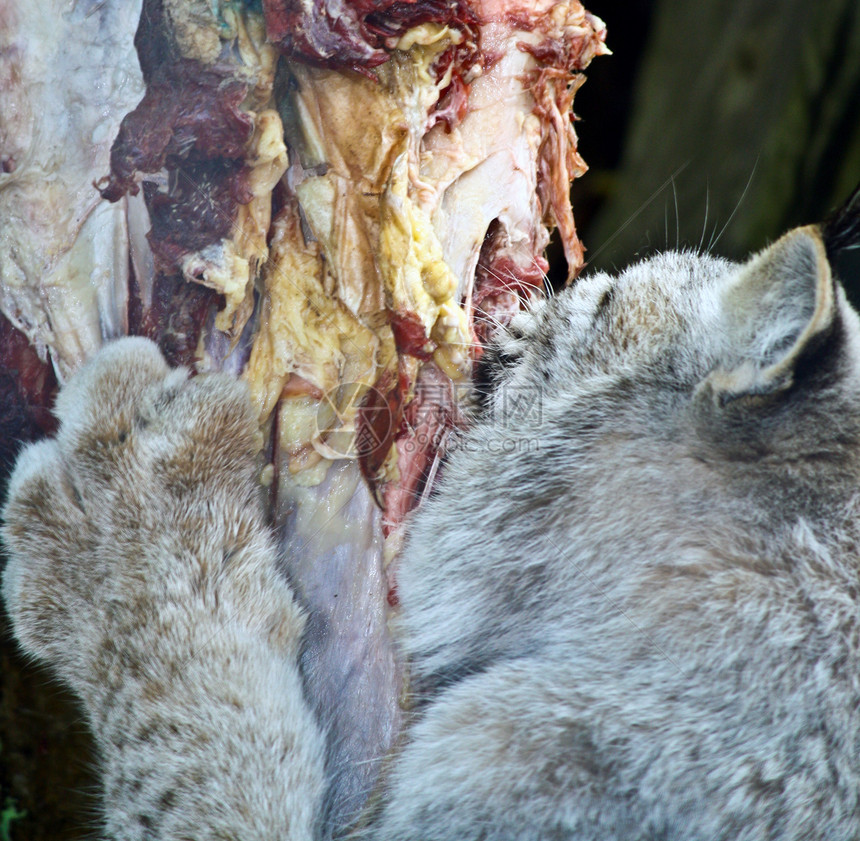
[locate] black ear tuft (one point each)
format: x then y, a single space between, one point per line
841 230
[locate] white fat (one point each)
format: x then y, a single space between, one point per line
63 252
486 168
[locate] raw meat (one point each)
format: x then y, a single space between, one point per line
337 201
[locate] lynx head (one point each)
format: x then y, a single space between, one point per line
752 369
684 418
687 338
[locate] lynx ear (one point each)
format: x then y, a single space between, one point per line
773 311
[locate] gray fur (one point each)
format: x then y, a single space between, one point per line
631 607
649 628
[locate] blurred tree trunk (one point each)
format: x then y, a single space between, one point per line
749 92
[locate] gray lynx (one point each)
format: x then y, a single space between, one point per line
632 614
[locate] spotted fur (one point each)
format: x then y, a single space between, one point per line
141 569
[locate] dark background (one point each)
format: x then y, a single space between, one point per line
752 105
755 104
